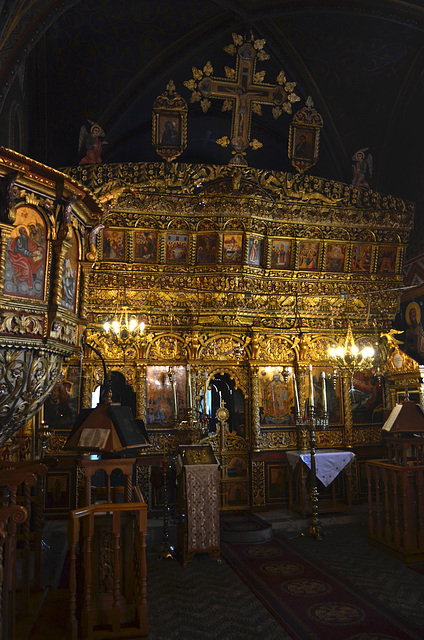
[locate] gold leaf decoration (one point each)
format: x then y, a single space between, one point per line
205 104
197 74
227 105
289 86
238 40
276 112
259 76
190 84
255 144
196 96
231 49
208 68
293 97
281 78
259 44
256 108
287 107
262 55
223 142
230 73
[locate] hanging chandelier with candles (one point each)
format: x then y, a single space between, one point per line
124 329
351 357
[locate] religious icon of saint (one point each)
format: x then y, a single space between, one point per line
362 168
170 135
414 334
26 257
91 143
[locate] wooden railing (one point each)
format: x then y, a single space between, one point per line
29 494
10 517
396 509
18 483
108 570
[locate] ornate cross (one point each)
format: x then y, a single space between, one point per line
243 91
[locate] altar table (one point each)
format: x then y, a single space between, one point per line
329 464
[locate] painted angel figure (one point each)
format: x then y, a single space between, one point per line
91 143
362 168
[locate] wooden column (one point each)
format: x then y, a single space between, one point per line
141 391
345 381
256 425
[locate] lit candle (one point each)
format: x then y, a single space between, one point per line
189 396
171 375
296 396
324 393
311 385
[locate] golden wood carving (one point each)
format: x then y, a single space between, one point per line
22 324
203 314
255 408
141 391
367 435
243 91
27 376
166 347
271 439
169 123
258 484
348 425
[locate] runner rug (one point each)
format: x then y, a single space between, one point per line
311 601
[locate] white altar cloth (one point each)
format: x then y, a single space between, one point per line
328 462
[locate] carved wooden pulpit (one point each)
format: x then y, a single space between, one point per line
198 502
396 486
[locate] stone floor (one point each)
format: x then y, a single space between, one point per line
208 600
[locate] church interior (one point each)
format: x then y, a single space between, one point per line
211 299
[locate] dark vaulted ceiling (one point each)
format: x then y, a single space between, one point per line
63 62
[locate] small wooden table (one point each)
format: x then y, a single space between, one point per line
329 464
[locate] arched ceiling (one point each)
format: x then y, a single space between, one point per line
361 61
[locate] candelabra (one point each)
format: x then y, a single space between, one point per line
349 357
165 549
124 329
43 433
311 422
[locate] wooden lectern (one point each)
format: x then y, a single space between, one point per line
198 502
396 486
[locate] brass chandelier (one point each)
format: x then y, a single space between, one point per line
351 357
125 326
124 329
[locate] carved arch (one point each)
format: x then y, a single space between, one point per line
167 347
177 224
206 225
147 222
234 224
234 375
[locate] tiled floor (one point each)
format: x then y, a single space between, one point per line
208 600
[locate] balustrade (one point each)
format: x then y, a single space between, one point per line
396 509
108 595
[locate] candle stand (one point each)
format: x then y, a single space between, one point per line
165 549
314 528
311 422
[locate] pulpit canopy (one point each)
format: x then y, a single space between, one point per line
405 434
406 418
108 427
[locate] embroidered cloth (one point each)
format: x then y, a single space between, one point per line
328 462
202 494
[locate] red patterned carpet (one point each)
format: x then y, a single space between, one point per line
311 601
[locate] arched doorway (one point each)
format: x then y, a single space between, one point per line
222 387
